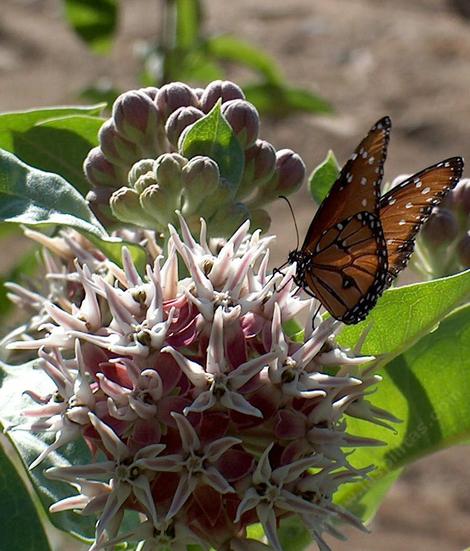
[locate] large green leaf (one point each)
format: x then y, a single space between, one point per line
94 21
428 387
405 314
14 380
21 525
213 137
54 139
323 177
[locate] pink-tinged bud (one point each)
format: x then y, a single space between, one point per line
117 149
290 171
463 250
260 161
136 119
151 91
442 227
179 120
244 119
220 89
98 170
198 92
200 180
461 196
126 207
173 96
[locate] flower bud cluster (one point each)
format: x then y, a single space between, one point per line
140 169
210 415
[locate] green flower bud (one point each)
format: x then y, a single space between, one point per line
159 204
463 250
260 220
136 119
99 171
244 120
168 170
140 168
201 178
115 148
173 96
220 89
126 207
179 120
145 181
227 219
442 227
461 196
260 161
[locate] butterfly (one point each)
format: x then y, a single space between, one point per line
358 240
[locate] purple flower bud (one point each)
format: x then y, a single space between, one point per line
244 119
220 89
200 180
151 91
463 250
136 118
117 149
173 96
442 227
98 170
179 120
198 92
461 196
290 171
126 207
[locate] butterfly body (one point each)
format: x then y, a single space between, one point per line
359 241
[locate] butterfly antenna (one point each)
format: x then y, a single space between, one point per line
293 217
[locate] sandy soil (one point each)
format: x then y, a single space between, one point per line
408 59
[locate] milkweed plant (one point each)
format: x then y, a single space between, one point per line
162 386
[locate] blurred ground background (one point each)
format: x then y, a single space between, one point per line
406 58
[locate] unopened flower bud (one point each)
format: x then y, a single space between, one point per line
290 170
198 93
260 220
220 89
173 96
461 196
159 204
228 218
244 120
117 149
151 91
140 168
168 171
179 120
442 227
98 170
463 250
200 180
126 207
260 161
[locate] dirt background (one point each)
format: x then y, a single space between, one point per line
406 58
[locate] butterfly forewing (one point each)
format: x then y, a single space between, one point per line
357 188
348 272
405 208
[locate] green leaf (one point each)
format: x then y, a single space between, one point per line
281 100
56 139
323 177
213 137
33 197
229 48
293 534
428 387
405 314
14 380
188 21
21 525
94 21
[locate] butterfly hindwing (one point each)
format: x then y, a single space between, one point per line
405 208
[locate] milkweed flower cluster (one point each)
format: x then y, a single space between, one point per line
141 168
201 411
